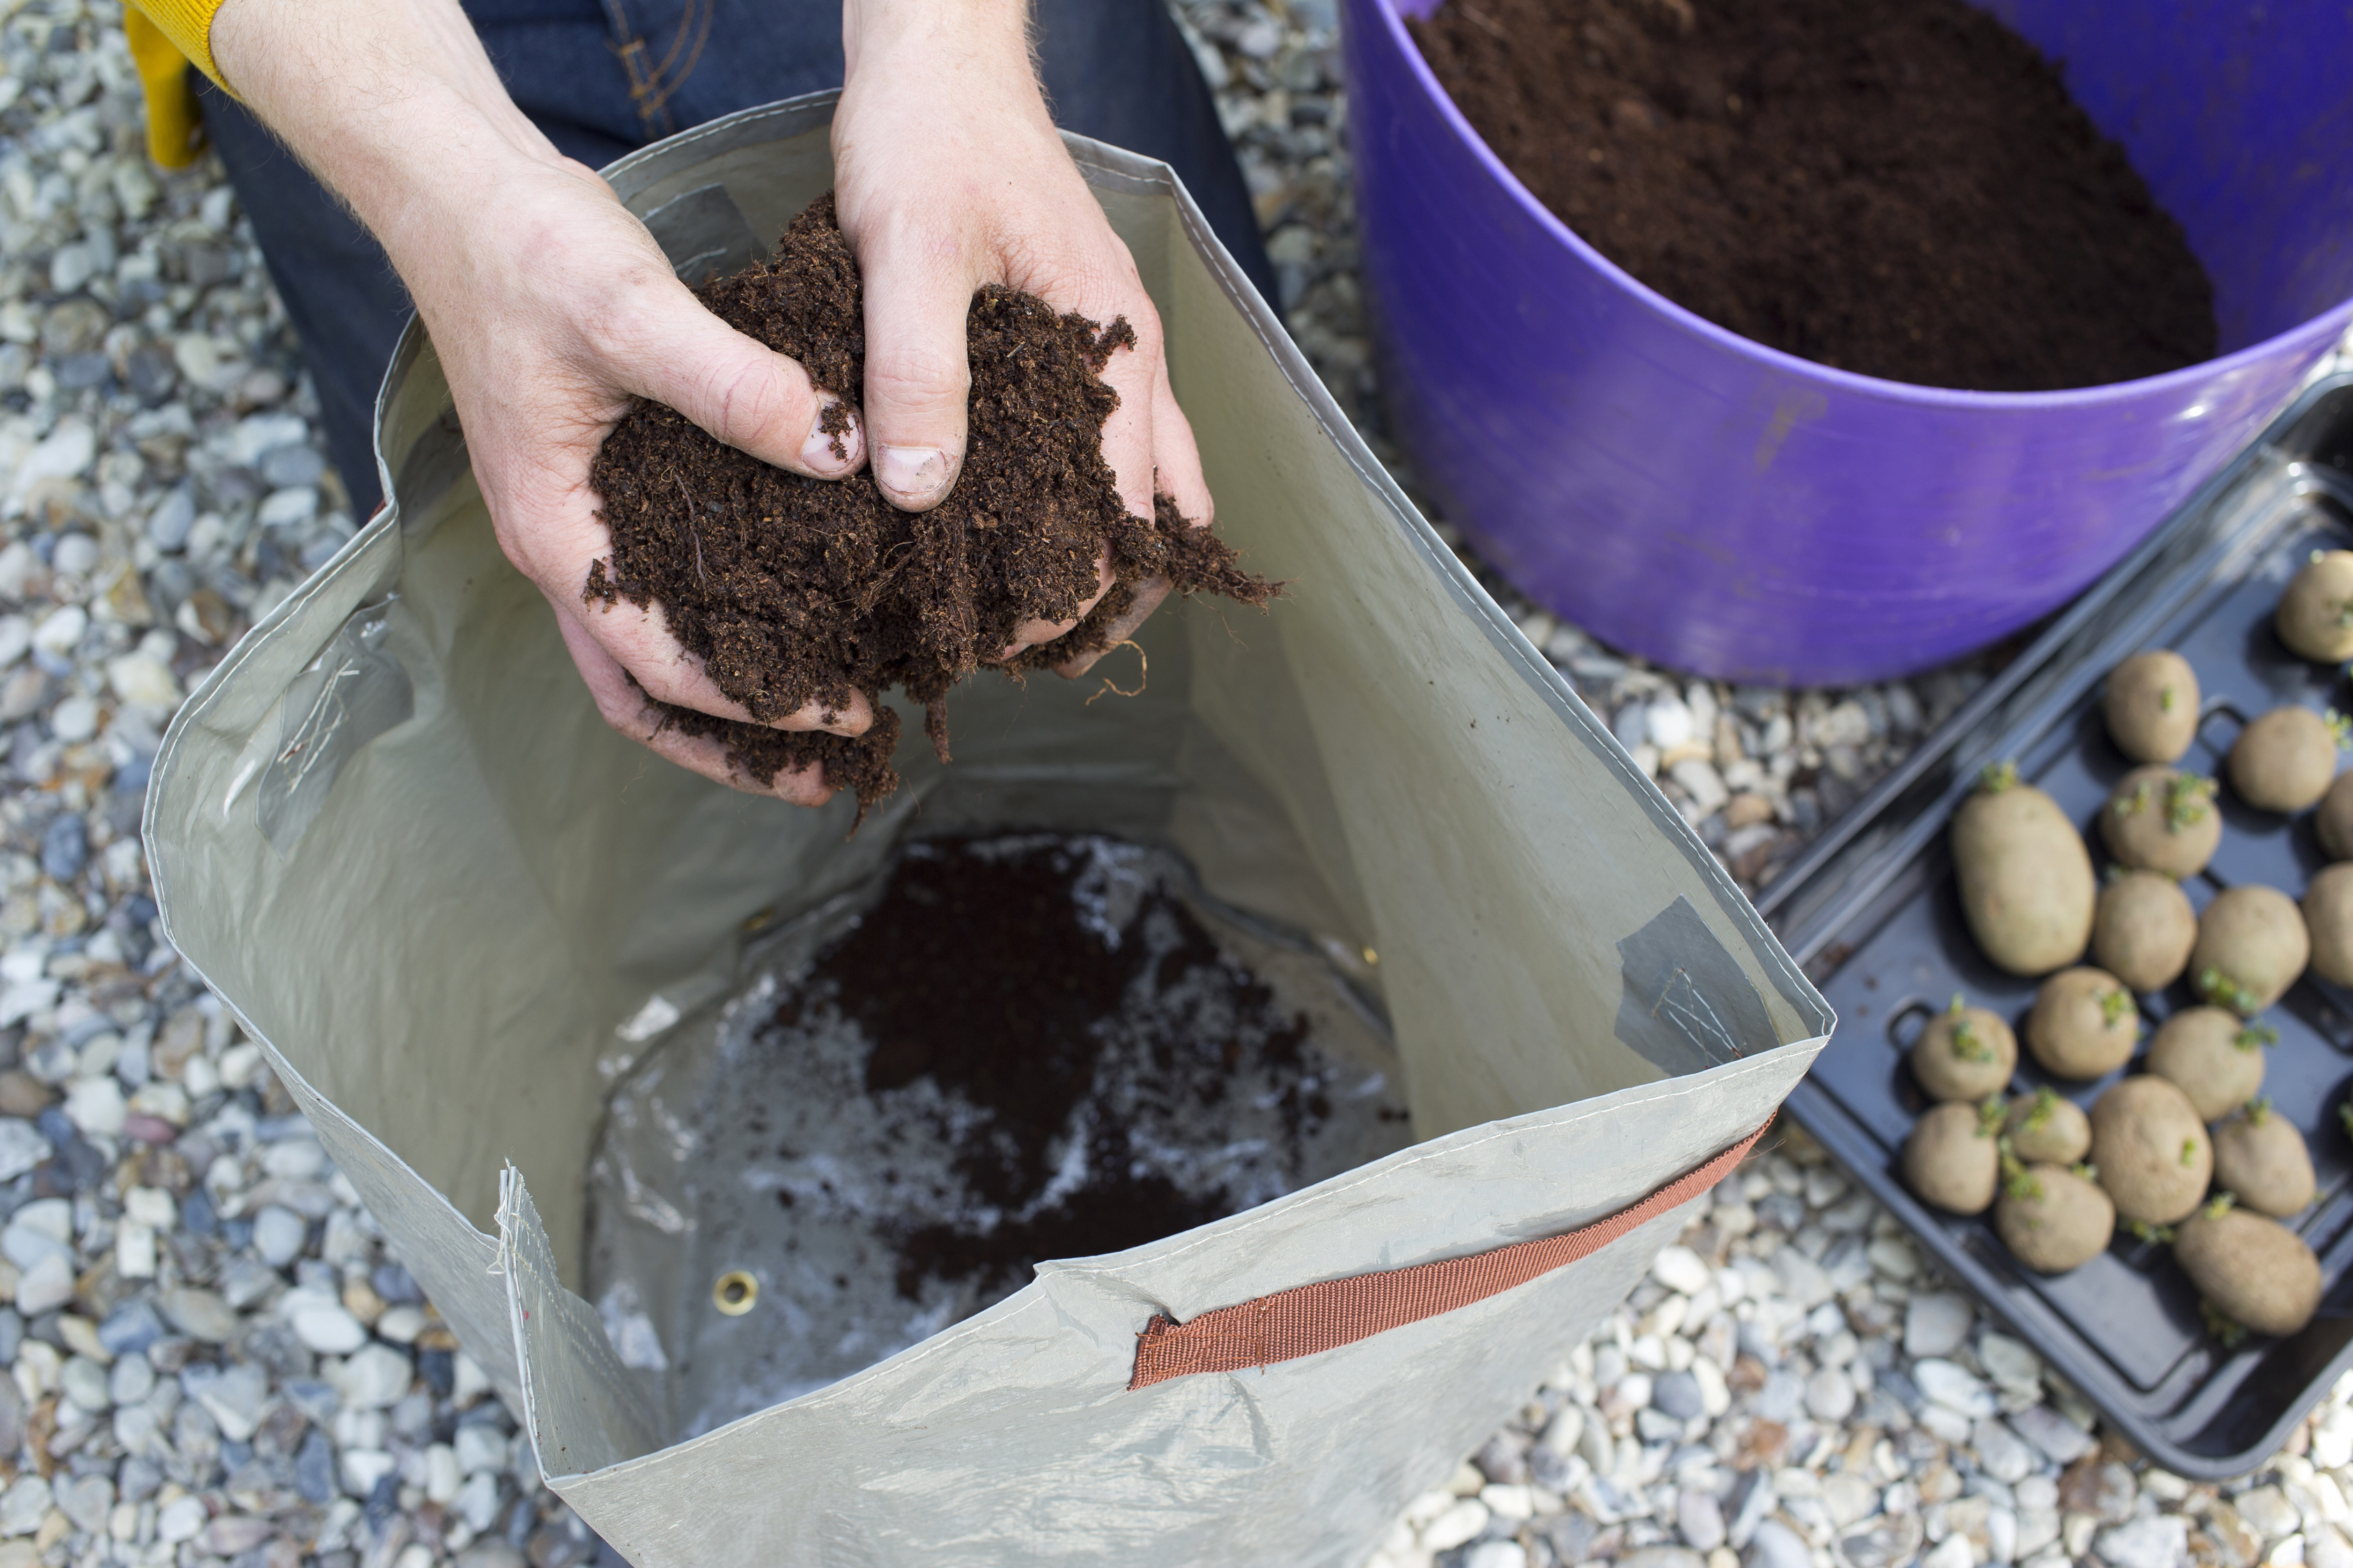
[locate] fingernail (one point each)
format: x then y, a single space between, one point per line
916 475
831 451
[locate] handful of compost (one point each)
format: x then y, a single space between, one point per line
795 591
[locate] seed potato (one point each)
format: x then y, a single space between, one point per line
2259 1159
2046 1128
2212 1055
2252 946
2151 1149
2252 1270
2316 614
2027 887
2334 820
2284 760
2162 819
1964 1053
2151 706
2143 930
2329 921
2084 1024
2052 1219
1951 1161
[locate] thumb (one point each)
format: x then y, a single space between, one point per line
917 377
745 393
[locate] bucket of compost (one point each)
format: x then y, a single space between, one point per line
1172 1132
1819 341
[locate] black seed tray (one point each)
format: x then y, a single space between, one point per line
1873 914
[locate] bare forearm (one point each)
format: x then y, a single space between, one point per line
392 103
984 34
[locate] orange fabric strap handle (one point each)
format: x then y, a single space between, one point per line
1309 1318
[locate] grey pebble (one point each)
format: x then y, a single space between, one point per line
375 1377
244 1282
86 1500
1779 1398
314 1467
1677 1393
169 523
1656 1425
138 1480
1829 1395
1936 1323
1700 1518
130 1328
1776 1545
79 372
1750 1502
131 1380
2058 1437
150 374
199 1314
1665 1557
2001 1452
1570 1535
2162 1541
279 1234
1804 1279
316 1400
292 466
1885 1543
491 1554
65 846
85 1384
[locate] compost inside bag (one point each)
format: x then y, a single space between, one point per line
459 913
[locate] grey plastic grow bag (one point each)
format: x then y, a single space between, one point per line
392 831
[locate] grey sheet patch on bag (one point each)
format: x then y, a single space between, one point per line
353 693
1686 1006
435 461
705 235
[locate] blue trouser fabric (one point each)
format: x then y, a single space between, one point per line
602 78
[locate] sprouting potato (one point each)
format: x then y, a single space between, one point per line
2212 1055
2026 879
2151 706
2151 1149
2252 1270
2261 1159
2328 919
2046 1128
2315 613
2334 820
2084 1024
1964 1053
2053 1219
1952 1160
2252 946
2143 930
2162 819
2285 760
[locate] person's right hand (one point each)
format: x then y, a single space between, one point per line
550 306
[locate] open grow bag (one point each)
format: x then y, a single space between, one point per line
454 908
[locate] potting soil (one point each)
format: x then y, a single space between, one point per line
793 591
1901 188
1008 1050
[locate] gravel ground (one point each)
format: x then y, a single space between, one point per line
215 1360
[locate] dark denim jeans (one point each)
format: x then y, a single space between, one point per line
602 78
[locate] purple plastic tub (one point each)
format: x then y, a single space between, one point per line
1723 508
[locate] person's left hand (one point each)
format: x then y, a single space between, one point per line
948 175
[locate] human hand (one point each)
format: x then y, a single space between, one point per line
948 174
550 306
